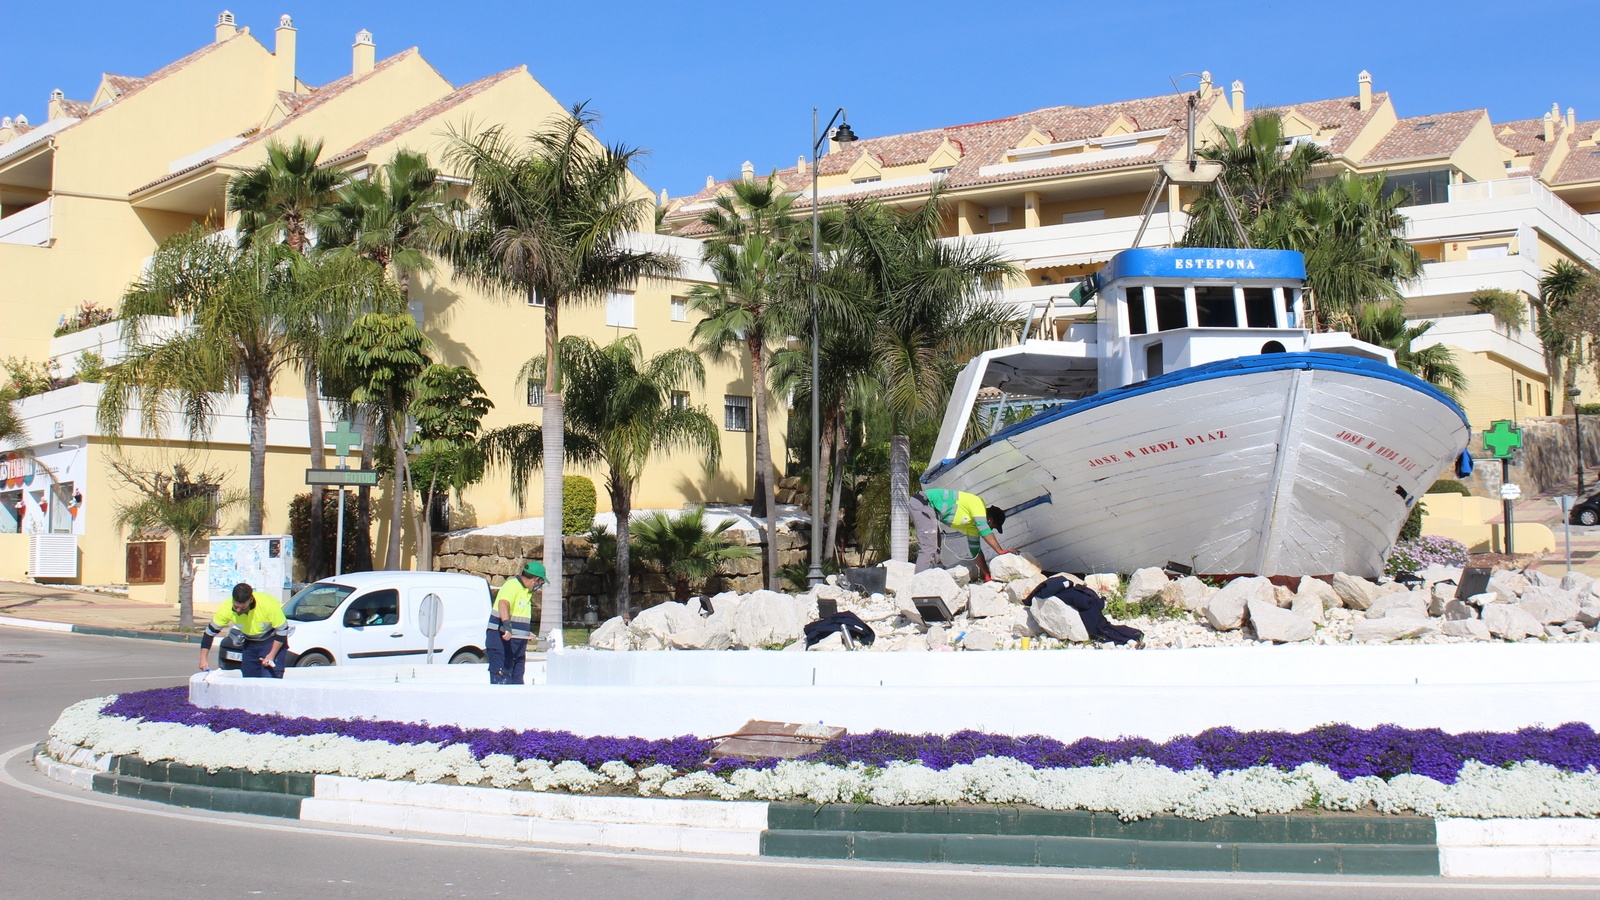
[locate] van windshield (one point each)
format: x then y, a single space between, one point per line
316 602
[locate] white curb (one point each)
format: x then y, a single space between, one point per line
15 622
1519 848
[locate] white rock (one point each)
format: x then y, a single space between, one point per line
1226 609
702 637
980 640
1576 582
612 635
1019 590
1145 583
1435 573
1012 567
1103 581
828 592
1393 628
984 600
961 575
1281 626
1396 601
1059 620
796 647
1388 587
1507 621
936 637
1458 611
1440 596
1308 604
1550 605
1188 593
1282 596
1467 628
1508 585
936 583
1354 593
727 600
767 617
1589 614
696 607
1537 578
897 577
1316 587
665 619
834 641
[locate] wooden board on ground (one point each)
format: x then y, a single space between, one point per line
781 740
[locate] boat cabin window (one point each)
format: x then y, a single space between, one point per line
1154 361
1289 295
1136 319
1259 309
1214 306
1171 310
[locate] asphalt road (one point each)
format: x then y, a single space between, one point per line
60 842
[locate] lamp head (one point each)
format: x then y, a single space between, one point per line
843 134
1574 391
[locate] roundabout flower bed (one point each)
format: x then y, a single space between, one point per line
1528 773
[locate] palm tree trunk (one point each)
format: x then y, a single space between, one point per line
762 505
362 558
316 560
832 546
391 556
622 508
260 399
554 456
899 496
185 585
425 526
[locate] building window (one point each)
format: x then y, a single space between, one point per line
866 180
1422 188
680 400
1489 251
619 309
535 393
999 215
680 309
1083 215
61 506
942 170
534 299
735 413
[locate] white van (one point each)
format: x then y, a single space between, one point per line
371 618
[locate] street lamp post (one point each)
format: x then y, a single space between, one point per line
1573 393
843 136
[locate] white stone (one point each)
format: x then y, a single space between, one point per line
1059 620
936 583
765 618
834 641
1510 622
1225 611
1393 628
1354 593
1308 604
1019 590
828 592
1282 626
1508 585
1458 611
936 637
1589 614
1145 583
1467 628
1409 601
611 635
1435 573
1282 596
1576 582
665 619
984 600
1550 605
1316 587
1012 567
961 575
1103 581
1188 593
1440 596
981 640
897 577
702 637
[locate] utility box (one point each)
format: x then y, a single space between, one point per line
53 555
263 561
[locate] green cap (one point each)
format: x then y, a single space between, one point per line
535 569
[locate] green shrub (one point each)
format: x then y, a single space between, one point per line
1412 529
577 504
84 317
300 528
91 367
27 378
1449 486
1589 409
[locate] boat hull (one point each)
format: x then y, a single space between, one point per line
1289 464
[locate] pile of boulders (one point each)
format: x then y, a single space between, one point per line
995 615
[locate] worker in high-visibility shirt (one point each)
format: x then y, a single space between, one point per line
961 511
259 617
511 625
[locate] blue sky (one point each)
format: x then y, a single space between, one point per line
706 85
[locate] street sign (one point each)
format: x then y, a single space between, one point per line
1502 439
430 616
1565 501
342 439
1510 492
346 477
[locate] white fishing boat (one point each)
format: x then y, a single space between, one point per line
1187 415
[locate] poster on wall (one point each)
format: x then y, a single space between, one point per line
263 561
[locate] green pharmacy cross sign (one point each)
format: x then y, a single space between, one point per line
1501 439
342 439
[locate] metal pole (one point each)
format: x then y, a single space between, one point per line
1577 439
814 576
1505 478
1566 517
338 547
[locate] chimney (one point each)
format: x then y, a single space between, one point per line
1572 119
1364 89
225 26
747 172
711 182
663 197
56 98
1549 128
363 55
283 52
800 167
1205 85
1238 99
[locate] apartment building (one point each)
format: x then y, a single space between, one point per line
1059 191
88 194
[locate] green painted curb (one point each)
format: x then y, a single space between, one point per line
173 637
225 790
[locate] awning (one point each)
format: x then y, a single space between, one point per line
1076 259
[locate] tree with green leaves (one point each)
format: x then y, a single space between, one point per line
277 201
1565 315
1510 311
385 355
684 549
762 270
932 306
622 414
13 433
549 223
448 408
186 505
1385 325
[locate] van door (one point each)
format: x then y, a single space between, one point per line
375 629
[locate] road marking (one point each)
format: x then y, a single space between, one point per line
184 678
7 779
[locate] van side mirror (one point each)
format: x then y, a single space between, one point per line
352 618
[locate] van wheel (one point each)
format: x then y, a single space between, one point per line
313 659
465 657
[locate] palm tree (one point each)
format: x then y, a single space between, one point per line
385 355
1384 324
1562 287
12 431
277 200
549 223
186 506
1258 173
682 548
449 408
622 414
934 306
761 273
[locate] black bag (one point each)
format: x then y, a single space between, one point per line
1090 606
847 622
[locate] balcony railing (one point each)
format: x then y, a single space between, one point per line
1464 276
1480 332
30 226
1542 198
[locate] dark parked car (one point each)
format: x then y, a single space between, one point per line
1587 512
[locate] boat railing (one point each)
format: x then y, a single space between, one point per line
1041 314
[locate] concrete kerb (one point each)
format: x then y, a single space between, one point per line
39 625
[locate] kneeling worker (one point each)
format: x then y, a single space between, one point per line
511 625
963 512
266 632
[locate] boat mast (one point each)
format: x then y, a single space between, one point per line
1195 171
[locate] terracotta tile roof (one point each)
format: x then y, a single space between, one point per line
1526 138
292 101
1341 113
1426 136
1582 162
77 109
122 84
433 110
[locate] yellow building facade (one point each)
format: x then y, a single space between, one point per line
87 196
